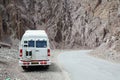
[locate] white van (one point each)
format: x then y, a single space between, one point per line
34 49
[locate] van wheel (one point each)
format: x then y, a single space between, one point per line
25 68
46 67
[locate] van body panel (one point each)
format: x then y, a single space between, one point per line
34 45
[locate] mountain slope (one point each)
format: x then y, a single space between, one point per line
69 23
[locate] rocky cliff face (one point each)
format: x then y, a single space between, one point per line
95 21
16 16
69 23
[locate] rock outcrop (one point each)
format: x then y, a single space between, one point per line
69 23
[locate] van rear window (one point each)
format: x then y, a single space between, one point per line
41 44
31 43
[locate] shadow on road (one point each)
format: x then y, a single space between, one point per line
52 68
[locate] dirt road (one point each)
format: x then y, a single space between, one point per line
82 66
9 68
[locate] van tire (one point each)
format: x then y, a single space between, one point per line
46 67
25 68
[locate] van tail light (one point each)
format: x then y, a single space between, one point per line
43 62
48 52
20 53
26 63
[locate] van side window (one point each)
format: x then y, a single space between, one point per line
25 45
25 41
41 44
31 43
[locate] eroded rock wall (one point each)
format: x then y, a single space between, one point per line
69 23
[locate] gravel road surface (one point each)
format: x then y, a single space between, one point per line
81 66
9 68
66 65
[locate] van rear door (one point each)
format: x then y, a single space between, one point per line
41 50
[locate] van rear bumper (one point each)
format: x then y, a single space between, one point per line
34 63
